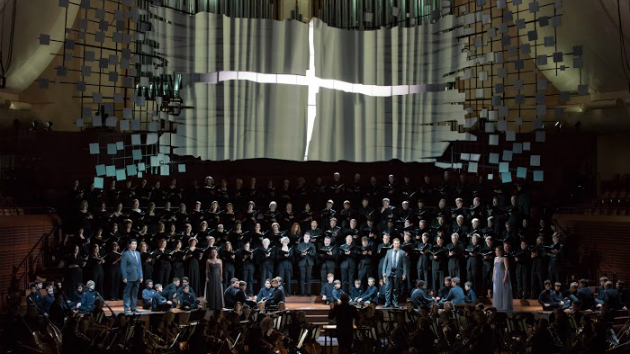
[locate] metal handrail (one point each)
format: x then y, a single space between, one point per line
29 260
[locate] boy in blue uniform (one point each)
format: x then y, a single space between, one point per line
356 294
336 293
147 294
471 297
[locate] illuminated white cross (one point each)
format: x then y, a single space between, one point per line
314 83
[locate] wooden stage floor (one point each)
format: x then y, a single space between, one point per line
306 303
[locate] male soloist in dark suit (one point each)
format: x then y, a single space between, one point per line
395 268
131 270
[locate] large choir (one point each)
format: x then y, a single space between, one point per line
220 246
396 233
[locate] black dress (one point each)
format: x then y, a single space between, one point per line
94 271
164 267
113 276
194 274
74 266
147 265
177 262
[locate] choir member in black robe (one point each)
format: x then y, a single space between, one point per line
197 215
352 230
327 213
346 214
305 253
366 212
168 215
265 260
487 254
523 260
245 260
365 256
284 266
334 232
455 256
306 216
192 257
181 217
228 217
556 258
327 257
148 261
423 266
474 263
295 234
177 260
250 217
439 263
74 269
162 260
207 192
381 250
228 257
272 215
386 213
348 265
213 215
289 217
113 277
94 268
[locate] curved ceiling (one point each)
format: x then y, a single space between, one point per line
30 59
594 25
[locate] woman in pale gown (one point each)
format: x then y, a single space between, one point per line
502 289
214 287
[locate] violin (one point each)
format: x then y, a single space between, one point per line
275 339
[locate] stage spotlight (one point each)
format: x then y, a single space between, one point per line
48 126
558 126
34 125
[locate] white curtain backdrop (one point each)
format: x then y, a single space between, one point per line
281 90
355 127
237 120
208 43
396 56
